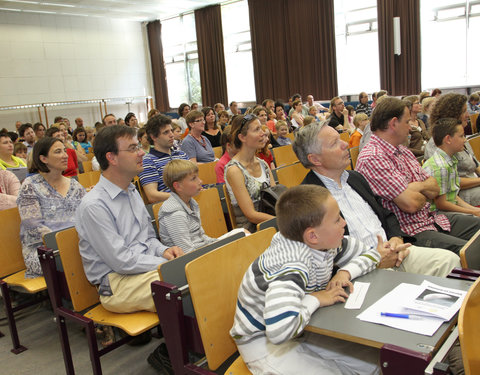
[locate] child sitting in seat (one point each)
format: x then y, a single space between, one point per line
282 131
272 120
360 121
449 137
291 280
229 151
20 151
177 135
179 217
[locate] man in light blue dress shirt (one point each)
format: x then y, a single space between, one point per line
118 246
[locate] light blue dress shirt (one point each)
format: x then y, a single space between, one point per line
363 223
116 234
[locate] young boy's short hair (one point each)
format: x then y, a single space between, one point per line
360 117
177 170
308 203
279 124
443 127
308 120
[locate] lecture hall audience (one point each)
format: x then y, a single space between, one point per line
48 199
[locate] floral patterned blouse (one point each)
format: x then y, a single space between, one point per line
43 210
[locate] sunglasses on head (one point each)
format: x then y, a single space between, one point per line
247 118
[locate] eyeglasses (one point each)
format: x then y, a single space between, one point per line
200 120
133 148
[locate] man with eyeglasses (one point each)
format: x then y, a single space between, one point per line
339 117
119 249
159 130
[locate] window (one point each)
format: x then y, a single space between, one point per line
181 60
449 43
356 36
238 52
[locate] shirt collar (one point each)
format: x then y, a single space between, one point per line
451 160
388 146
189 208
319 255
330 183
113 190
159 154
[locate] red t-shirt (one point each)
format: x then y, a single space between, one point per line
268 159
220 167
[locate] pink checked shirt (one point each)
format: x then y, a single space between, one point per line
389 170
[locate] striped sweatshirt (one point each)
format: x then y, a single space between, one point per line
273 300
180 224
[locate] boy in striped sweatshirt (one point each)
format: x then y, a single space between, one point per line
291 280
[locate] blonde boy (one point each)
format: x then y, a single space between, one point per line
449 137
282 131
293 278
179 217
360 121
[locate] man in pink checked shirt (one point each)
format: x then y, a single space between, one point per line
395 175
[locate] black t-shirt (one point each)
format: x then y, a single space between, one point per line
335 120
214 139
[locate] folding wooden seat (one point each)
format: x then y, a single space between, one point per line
469 330
12 272
85 300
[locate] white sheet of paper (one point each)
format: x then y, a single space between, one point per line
392 302
355 299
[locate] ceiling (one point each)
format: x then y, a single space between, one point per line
136 10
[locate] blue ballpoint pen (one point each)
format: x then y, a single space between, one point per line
395 315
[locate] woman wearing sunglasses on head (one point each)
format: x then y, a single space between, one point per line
245 173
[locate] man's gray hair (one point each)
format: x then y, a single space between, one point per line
307 142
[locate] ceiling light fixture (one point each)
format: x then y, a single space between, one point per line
58 5
23 1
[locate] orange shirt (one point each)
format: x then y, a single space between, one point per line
355 139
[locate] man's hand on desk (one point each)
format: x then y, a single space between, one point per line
331 296
172 253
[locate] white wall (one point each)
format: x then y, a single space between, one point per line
45 58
